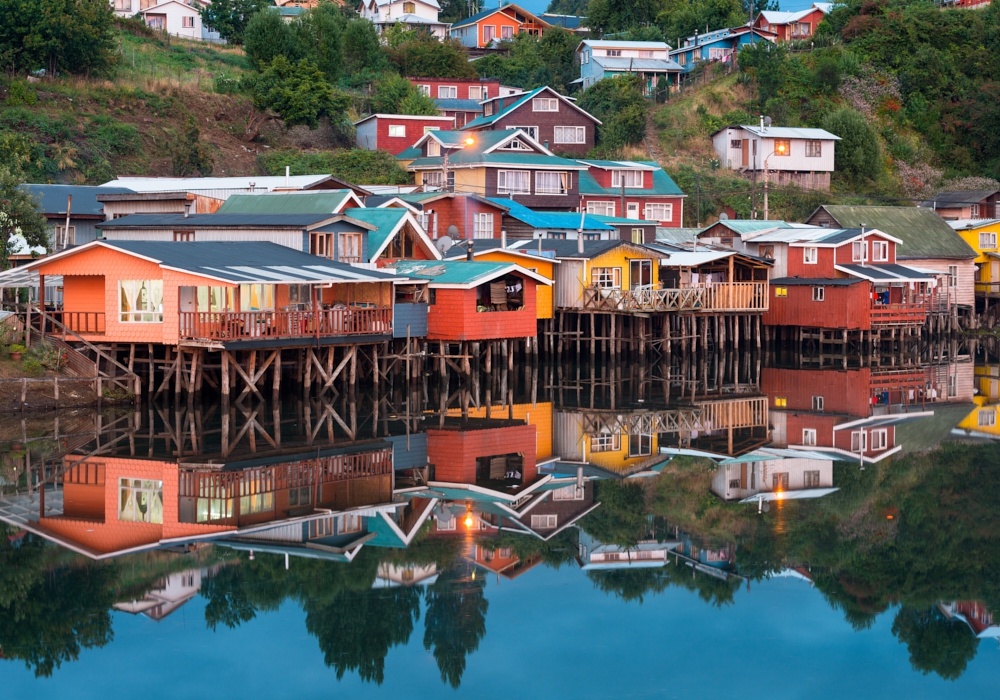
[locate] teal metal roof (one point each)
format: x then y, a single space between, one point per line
676 236
619 220
505 158
549 220
385 535
325 202
451 271
743 226
409 153
663 184
486 121
386 220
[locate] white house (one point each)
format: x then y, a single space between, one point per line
415 14
787 155
176 18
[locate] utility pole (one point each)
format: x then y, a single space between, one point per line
697 189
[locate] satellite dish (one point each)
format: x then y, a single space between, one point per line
723 216
444 243
453 231
767 121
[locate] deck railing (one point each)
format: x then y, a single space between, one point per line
91 322
739 296
913 314
242 325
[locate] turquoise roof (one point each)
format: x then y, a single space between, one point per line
620 220
450 271
486 121
549 220
386 220
505 158
742 226
662 183
385 535
678 236
325 202
409 153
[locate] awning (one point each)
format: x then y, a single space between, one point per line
885 273
17 277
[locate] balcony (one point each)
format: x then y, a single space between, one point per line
912 314
255 325
738 296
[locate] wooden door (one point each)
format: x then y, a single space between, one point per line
746 153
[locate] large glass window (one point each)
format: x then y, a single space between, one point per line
216 299
606 277
514 181
570 134
602 208
659 212
630 178
349 247
256 297
551 183
140 501
140 301
482 225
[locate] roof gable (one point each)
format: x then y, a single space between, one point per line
389 221
520 101
53 199
462 274
510 10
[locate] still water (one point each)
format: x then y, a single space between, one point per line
722 528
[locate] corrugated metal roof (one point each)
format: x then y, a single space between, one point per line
550 220
215 220
745 226
923 233
456 104
53 198
322 202
885 273
788 132
676 236
953 198
195 184
461 273
495 158
816 281
521 99
622 220
644 64
569 249
386 220
789 235
695 258
663 184
611 44
971 224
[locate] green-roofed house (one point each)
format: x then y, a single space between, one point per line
396 235
322 202
632 190
458 215
477 300
927 243
551 119
501 164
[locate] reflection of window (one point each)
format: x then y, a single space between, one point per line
810 480
818 403
809 436
640 445
880 439
987 418
859 441
443 525
349 523
212 509
779 481
568 493
606 277
606 442
140 301
602 208
140 501
256 503
544 522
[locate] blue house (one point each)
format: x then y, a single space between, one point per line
720 45
606 58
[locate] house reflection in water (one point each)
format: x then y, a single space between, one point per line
973 613
595 555
773 474
394 575
168 595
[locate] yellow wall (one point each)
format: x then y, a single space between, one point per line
542 266
973 422
620 257
538 415
988 382
618 460
989 267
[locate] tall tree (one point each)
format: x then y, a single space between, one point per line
231 17
422 55
936 644
364 59
62 36
455 621
266 37
319 32
21 224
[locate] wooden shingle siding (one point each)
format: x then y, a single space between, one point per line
567 202
546 123
409 318
454 317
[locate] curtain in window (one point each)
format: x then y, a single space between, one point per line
256 297
141 301
551 183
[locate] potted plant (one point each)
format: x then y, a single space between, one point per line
16 351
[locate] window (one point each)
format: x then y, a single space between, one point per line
781 291
606 442
818 403
859 251
601 208
140 301
987 418
859 441
431 128
184 236
60 232
506 32
952 386
488 109
475 92
606 277
217 299
257 503
612 52
349 247
300 496
637 236
140 501
630 178
570 134
349 523
810 479
880 251
780 402
809 436
568 493
987 239
321 244
814 149
187 22
513 182
445 525
433 178
556 235
482 225
880 439
953 275
545 104
659 212
156 22
409 8
819 293
433 148
640 445
256 297
766 251
779 481
716 54
424 90
736 143
646 54
544 522
447 92
489 33
123 5
397 130
531 131
809 256
551 183
782 147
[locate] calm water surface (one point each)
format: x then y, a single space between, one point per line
717 529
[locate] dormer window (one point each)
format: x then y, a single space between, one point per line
626 178
545 104
646 54
433 148
517 145
488 109
409 8
612 52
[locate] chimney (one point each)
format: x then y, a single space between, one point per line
579 233
762 122
187 209
503 237
468 253
288 172
252 185
695 37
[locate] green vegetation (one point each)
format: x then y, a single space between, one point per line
369 167
619 104
231 17
59 36
20 221
531 63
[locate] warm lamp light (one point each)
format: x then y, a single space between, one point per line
781 148
468 521
469 141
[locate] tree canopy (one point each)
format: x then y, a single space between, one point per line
231 17
61 36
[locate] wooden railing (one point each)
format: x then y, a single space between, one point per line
739 296
750 412
240 325
898 314
91 322
988 287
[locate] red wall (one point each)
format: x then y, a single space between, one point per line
493 86
414 130
453 453
676 214
845 253
844 307
604 178
822 268
843 391
454 317
460 211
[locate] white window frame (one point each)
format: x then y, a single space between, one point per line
506 29
629 177
431 128
880 251
667 207
131 491
879 440
531 131
432 178
613 53
606 442
601 208
447 92
433 148
810 256
645 445
562 178
987 240
818 403
493 33
953 275
546 521
397 131
479 91
482 225
187 22
809 437
986 418
148 293
606 277
638 236
819 293
569 134
544 104
569 493
503 176
859 251
859 441
424 90
349 247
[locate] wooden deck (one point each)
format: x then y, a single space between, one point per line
252 325
721 298
898 314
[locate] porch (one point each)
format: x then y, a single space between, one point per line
254 325
717 298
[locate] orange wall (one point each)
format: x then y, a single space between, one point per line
543 293
454 317
453 453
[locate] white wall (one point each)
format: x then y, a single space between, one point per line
366 135
175 13
732 158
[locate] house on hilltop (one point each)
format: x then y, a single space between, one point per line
974 204
412 14
784 155
793 26
719 45
484 29
607 58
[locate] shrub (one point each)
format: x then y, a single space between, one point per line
32 367
47 355
20 94
859 153
17 348
354 165
115 138
226 84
